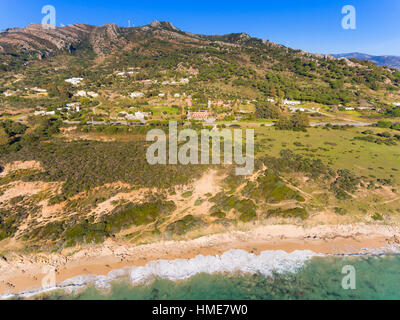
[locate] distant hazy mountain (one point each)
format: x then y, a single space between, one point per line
390 61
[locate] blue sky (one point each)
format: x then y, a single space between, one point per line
310 25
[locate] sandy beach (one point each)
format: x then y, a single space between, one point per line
19 273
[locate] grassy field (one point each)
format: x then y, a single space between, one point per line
336 148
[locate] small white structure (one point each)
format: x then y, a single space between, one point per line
177 95
140 115
44 113
137 94
73 106
298 109
396 104
74 81
83 93
162 95
80 93
39 90
173 82
290 103
92 94
270 100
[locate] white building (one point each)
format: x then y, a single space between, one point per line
83 93
140 115
270 100
8 93
177 95
39 90
73 106
137 94
290 103
162 95
92 94
80 93
74 81
396 104
297 109
44 113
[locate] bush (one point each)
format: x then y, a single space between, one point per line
185 225
289 213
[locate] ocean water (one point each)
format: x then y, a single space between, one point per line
287 276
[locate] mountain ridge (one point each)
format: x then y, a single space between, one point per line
234 65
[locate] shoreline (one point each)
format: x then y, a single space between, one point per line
25 273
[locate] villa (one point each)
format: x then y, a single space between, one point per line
44 113
74 81
290 103
298 109
137 94
39 90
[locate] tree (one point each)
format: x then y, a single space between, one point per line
296 122
267 110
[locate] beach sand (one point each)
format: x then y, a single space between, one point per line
19 273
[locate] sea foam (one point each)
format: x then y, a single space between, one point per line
232 261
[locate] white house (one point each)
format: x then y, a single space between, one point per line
92 94
39 90
74 81
396 104
177 95
74 106
270 100
162 95
80 93
137 94
290 103
44 113
297 109
140 115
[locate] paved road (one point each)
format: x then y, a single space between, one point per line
354 124
228 124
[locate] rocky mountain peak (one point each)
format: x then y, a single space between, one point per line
163 25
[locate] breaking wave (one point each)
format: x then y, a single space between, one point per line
231 262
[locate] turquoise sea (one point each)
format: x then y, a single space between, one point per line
377 277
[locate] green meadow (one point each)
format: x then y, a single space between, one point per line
336 148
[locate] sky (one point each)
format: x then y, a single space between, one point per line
311 25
